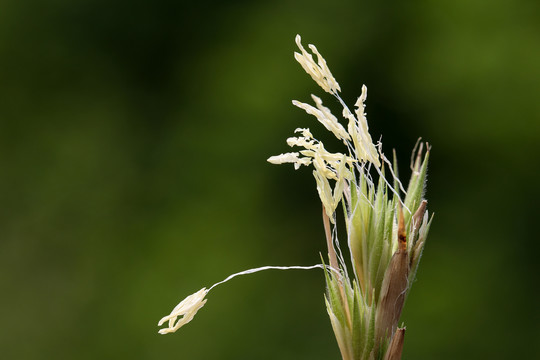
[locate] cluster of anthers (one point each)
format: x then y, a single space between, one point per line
328 165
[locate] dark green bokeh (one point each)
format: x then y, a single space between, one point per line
133 146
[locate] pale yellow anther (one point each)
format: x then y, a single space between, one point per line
325 117
319 71
358 129
342 174
332 159
305 132
321 167
301 141
325 194
370 149
331 122
186 309
289 158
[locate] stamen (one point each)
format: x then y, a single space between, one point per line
188 307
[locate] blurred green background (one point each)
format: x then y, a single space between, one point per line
133 147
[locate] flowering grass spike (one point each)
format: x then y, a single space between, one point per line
386 225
